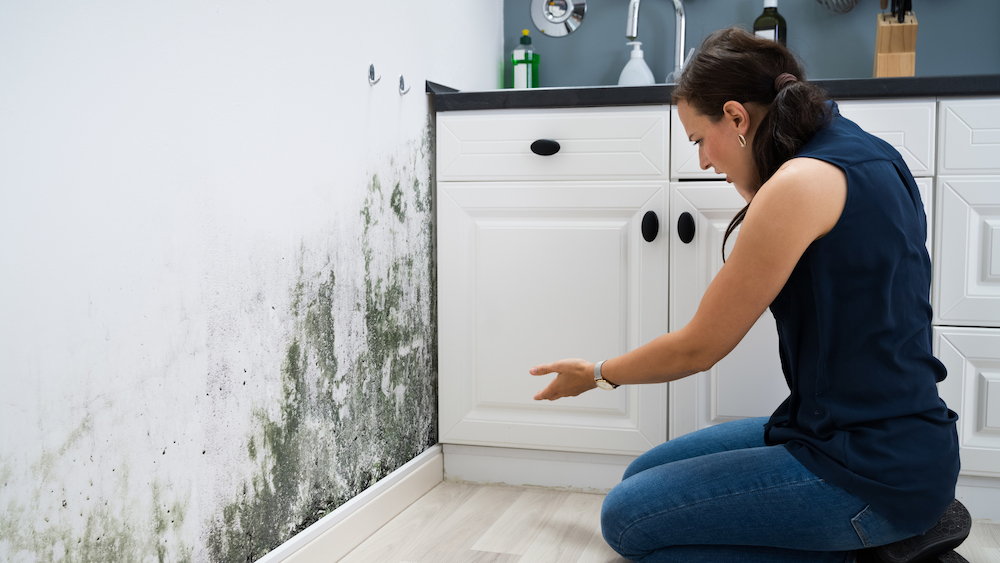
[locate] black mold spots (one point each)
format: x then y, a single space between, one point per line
97 532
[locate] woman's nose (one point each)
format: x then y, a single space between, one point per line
702 161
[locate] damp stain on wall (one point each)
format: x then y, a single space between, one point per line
348 416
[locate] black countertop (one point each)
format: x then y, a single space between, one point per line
449 99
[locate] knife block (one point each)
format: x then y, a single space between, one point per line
895 46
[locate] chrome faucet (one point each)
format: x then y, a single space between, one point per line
632 31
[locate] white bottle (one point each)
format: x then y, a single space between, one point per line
636 71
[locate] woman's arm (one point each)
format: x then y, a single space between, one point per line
799 204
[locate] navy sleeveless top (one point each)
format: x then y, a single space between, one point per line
854 330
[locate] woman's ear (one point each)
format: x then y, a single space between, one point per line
738 115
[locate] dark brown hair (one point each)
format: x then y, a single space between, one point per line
734 64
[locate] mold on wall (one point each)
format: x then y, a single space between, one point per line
347 416
350 395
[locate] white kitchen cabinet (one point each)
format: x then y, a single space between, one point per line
970 136
749 381
972 389
534 271
967 268
966 286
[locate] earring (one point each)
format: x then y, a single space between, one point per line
743 141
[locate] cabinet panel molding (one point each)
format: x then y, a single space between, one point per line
967 259
969 136
972 389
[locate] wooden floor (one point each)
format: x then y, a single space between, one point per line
461 523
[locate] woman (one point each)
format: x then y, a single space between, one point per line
863 452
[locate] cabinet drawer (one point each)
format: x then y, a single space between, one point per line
972 389
611 143
906 125
967 251
970 137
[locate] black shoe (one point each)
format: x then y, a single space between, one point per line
950 531
869 556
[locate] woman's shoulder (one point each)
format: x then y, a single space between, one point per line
813 191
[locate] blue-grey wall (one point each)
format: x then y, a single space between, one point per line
954 37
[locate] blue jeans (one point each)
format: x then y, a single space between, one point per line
721 495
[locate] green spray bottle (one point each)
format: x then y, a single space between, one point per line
525 63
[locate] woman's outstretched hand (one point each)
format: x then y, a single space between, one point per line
573 376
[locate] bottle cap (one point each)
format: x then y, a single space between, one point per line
525 40
770 3
636 49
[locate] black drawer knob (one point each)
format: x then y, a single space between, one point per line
685 227
650 226
545 147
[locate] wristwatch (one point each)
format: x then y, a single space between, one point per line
601 382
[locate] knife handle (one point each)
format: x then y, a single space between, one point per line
883 4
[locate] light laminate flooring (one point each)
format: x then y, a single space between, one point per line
464 523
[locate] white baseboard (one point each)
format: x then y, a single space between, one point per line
596 473
981 495
337 533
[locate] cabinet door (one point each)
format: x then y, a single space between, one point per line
972 389
748 382
970 137
530 273
906 125
967 251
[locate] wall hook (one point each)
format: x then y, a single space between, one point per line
403 88
372 78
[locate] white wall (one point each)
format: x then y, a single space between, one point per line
178 180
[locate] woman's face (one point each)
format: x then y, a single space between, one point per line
719 145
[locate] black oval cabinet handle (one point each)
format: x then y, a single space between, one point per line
545 147
685 227
650 226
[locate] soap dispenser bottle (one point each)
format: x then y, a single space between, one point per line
525 62
636 71
770 24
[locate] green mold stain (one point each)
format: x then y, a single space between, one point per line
311 459
105 535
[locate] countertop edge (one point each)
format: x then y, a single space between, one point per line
447 99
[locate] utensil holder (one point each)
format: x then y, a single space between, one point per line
895 46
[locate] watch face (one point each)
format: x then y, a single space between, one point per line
605 384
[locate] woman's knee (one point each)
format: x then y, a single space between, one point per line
613 518
619 519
